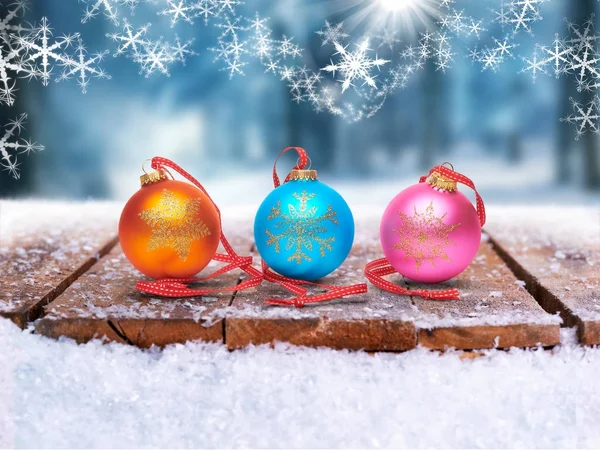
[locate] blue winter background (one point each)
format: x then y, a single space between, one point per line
498 127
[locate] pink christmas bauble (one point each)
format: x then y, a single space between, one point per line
430 235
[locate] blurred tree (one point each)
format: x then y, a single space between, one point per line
394 127
320 127
514 144
564 136
564 133
591 168
430 123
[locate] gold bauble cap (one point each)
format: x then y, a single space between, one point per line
437 180
303 175
154 176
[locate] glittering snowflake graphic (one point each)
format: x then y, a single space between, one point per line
355 65
12 145
11 66
584 56
107 8
244 39
330 34
174 223
558 55
575 55
83 67
492 57
33 53
534 65
156 57
586 117
522 14
424 237
42 50
387 37
131 41
8 26
181 10
301 228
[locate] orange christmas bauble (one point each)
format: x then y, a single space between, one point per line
169 228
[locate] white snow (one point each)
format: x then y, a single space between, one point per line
355 65
481 316
572 228
18 221
59 394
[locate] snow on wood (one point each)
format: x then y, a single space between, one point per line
557 253
104 302
45 246
375 321
494 311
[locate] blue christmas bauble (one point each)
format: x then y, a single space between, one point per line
304 229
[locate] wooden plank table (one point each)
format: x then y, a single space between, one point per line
104 303
375 321
495 312
74 269
558 259
44 247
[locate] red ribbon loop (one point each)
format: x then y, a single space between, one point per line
301 164
459 178
178 287
294 285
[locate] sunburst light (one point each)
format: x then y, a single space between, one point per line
407 17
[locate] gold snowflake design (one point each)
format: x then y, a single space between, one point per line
174 223
302 228
424 236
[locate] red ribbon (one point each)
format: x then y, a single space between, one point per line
294 285
178 287
459 178
376 270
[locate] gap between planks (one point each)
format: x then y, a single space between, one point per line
546 299
239 280
30 313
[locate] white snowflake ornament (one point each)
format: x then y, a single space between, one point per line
15 10
12 145
330 34
42 51
82 67
585 117
131 41
11 67
108 8
355 65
